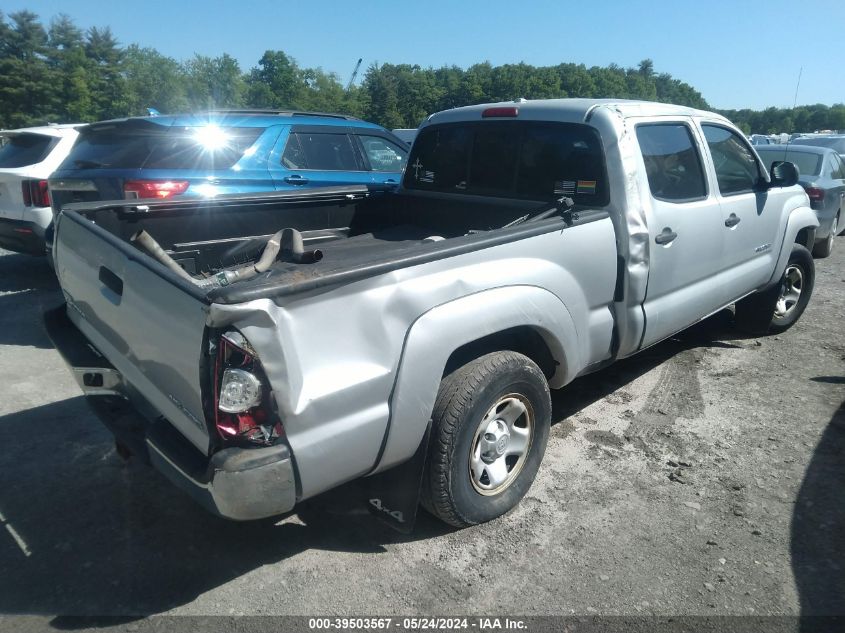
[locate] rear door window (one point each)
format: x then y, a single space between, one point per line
510 159
317 151
672 163
20 150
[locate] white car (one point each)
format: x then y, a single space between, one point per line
27 157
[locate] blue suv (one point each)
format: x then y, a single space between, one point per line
224 151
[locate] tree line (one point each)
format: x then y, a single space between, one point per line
60 73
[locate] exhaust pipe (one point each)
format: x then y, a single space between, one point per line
292 248
286 245
152 247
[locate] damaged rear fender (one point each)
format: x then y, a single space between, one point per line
435 335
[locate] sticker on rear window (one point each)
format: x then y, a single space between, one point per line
566 187
586 186
421 174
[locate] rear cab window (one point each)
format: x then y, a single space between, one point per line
21 150
510 159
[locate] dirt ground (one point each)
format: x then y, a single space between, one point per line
703 477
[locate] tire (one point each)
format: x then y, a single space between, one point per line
472 474
825 247
776 309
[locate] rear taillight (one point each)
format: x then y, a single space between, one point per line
815 194
35 193
243 411
154 188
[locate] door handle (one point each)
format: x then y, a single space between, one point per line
296 180
732 220
666 236
111 281
390 181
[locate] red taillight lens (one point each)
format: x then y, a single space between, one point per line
35 193
500 112
256 423
815 194
154 188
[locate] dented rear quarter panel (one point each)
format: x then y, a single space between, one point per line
355 369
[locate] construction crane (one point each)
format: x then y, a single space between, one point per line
354 74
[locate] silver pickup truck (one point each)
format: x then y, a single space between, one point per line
261 350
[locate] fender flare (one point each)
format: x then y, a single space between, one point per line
800 218
437 333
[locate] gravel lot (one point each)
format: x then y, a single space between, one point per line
705 476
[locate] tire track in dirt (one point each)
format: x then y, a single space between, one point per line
677 394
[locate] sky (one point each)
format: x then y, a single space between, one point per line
737 54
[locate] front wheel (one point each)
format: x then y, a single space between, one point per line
490 426
777 309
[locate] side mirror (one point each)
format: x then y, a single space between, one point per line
784 174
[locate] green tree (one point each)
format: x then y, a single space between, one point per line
214 82
153 81
105 79
324 93
66 55
382 97
277 82
26 79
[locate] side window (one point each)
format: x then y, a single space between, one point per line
382 154
672 162
737 170
325 152
293 156
836 168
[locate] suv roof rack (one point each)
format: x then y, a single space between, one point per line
329 115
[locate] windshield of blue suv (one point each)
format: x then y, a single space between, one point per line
510 159
20 150
203 148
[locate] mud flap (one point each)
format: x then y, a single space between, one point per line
393 496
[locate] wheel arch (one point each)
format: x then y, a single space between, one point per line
529 318
801 228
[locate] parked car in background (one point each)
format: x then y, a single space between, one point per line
225 151
406 134
835 142
822 174
27 157
760 139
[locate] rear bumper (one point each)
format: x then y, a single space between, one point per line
21 236
234 483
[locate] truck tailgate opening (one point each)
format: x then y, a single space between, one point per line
148 325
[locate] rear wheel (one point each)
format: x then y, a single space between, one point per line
778 308
490 427
825 247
